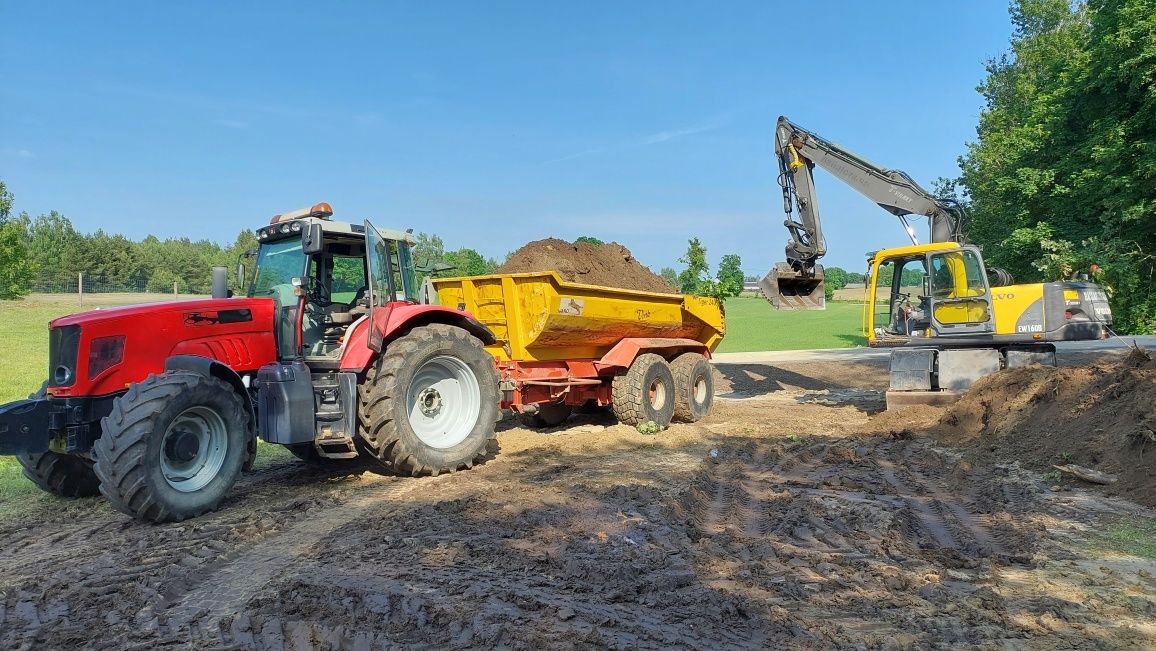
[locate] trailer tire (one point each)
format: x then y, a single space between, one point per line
432 368
693 387
172 447
549 415
65 475
645 392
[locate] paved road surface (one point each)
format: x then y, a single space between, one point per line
869 354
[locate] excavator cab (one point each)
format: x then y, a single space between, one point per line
925 291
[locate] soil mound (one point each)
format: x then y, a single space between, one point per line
1101 417
608 265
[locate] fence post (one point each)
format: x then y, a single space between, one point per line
80 287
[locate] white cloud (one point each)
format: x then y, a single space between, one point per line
663 136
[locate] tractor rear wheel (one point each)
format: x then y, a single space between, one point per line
645 392
693 387
172 447
66 475
430 402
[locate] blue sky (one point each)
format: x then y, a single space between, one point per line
490 124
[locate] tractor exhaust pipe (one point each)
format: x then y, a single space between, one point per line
788 289
220 282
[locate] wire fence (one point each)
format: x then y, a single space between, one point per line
82 285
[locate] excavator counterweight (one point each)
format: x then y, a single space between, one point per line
788 289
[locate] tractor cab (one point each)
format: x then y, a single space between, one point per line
924 291
325 276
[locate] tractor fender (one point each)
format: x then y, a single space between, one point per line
399 320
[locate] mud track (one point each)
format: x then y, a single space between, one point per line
791 518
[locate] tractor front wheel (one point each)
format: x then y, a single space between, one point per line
172 447
66 475
430 403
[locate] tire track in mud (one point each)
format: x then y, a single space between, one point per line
75 537
116 569
226 588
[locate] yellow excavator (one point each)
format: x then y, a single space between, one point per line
949 318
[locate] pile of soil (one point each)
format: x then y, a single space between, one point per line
608 265
1099 416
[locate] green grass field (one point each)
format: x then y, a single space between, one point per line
752 325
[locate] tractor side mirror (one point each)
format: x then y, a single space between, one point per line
926 284
312 239
241 276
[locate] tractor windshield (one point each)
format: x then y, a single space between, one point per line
277 264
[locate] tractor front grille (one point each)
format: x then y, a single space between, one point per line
63 349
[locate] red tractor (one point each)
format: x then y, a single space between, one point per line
329 353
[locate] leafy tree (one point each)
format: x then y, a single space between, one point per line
670 276
467 262
695 279
590 240
730 276
15 264
835 277
1063 171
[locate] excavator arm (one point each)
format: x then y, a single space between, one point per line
798 282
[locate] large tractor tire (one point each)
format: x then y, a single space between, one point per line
693 387
172 447
66 475
430 403
645 392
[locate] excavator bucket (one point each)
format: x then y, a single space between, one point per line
788 289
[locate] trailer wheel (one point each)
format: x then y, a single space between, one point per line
66 475
645 392
694 387
549 415
172 447
430 403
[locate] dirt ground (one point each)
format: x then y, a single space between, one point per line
606 265
795 516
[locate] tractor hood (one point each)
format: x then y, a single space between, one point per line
103 351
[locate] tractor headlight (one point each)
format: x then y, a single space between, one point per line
104 353
262 235
283 228
295 227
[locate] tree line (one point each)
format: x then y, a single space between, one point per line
48 253
1061 178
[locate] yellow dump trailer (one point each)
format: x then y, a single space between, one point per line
561 345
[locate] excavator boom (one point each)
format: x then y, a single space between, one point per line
798 283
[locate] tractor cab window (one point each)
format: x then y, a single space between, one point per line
348 279
277 264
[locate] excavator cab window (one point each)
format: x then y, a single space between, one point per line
959 288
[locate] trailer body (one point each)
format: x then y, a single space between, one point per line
561 342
